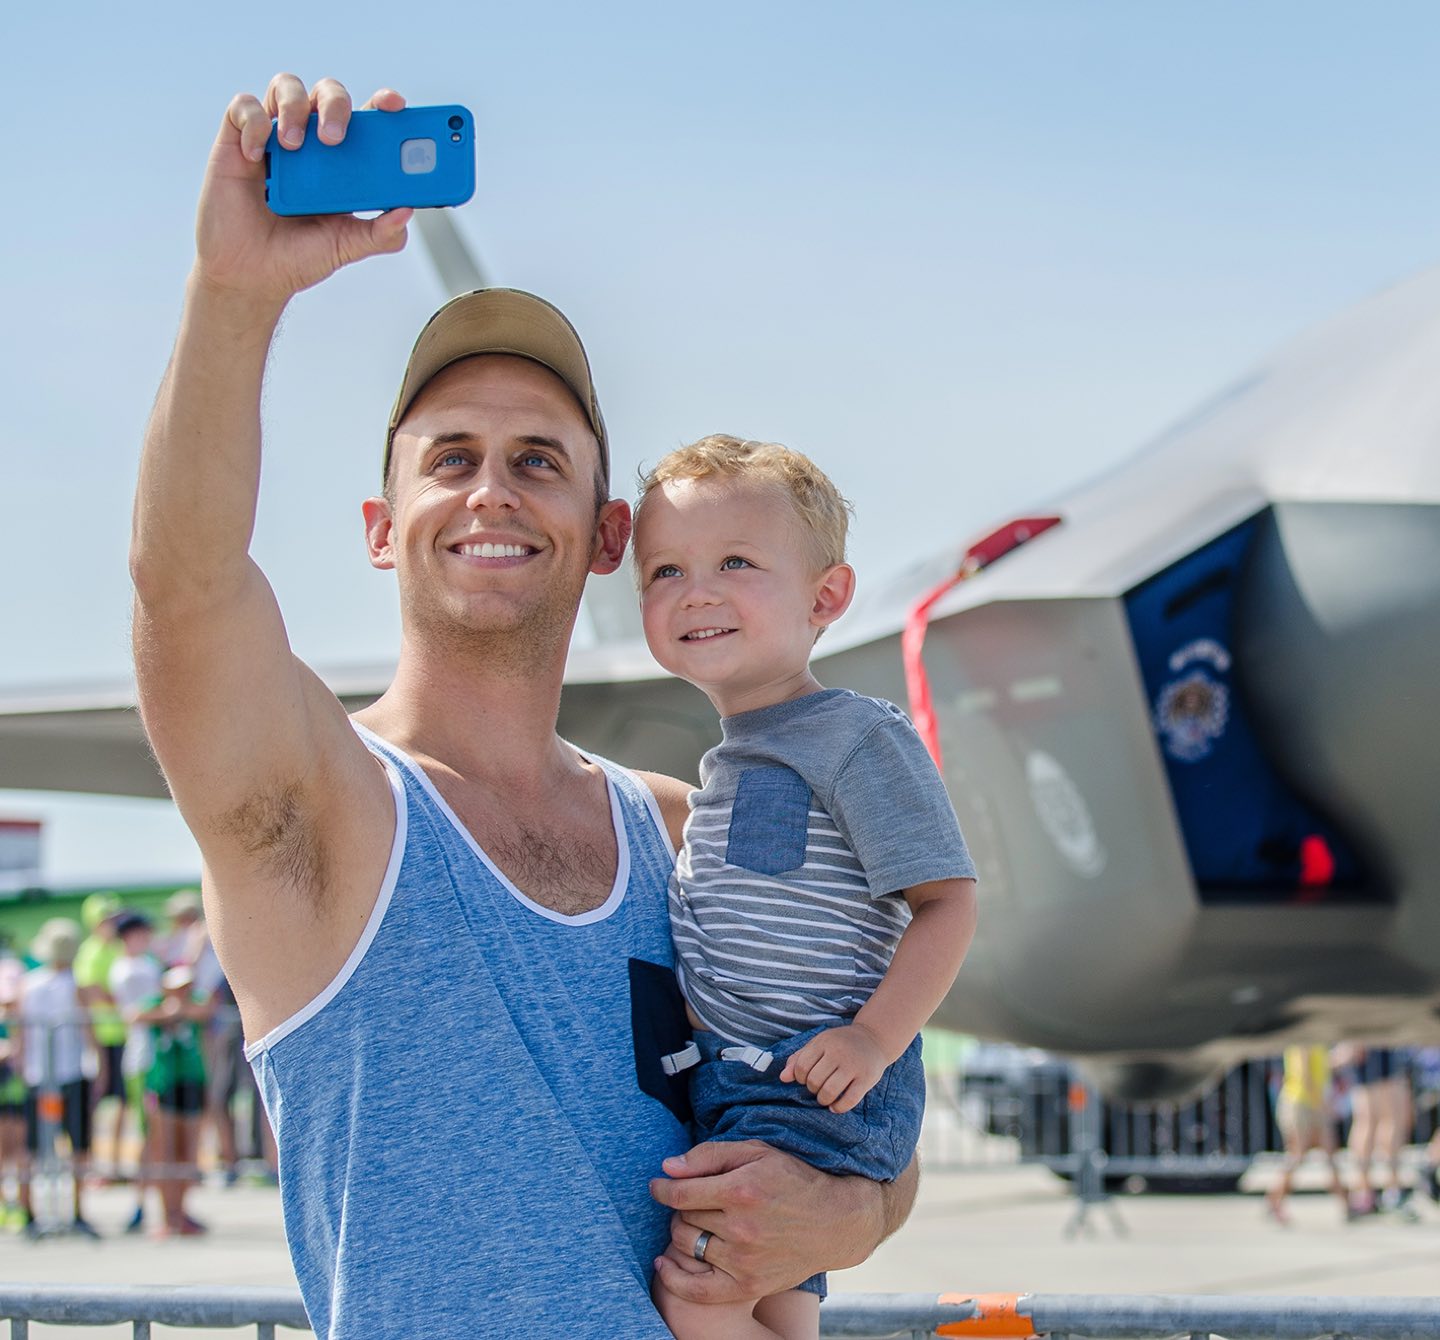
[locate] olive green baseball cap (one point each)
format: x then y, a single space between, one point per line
500 321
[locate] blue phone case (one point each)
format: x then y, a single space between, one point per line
421 156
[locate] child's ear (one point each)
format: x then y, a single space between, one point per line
833 595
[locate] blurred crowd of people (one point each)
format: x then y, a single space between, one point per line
120 1045
1375 1089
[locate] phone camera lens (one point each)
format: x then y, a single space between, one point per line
456 122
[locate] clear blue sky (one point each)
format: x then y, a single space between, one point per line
965 254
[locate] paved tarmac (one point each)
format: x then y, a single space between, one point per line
998 1229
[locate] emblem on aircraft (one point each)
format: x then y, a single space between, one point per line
1063 814
1191 715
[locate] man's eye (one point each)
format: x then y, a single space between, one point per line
451 458
734 563
534 458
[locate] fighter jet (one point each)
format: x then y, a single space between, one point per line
1184 714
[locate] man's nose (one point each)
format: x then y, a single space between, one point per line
493 487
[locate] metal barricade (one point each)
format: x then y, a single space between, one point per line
1000 1106
142 1306
860 1316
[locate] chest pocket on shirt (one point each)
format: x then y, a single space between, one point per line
769 822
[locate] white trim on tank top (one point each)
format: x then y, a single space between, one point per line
397 856
652 803
372 923
617 821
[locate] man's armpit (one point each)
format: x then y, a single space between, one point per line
279 832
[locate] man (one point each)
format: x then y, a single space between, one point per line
446 931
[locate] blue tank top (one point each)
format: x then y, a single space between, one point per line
466 1116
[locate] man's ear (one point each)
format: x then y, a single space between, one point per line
612 534
379 532
833 595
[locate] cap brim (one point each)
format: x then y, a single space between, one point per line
500 321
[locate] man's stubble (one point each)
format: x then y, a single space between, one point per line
525 638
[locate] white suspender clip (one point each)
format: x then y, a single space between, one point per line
751 1056
675 1062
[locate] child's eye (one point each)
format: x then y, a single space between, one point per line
665 570
734 563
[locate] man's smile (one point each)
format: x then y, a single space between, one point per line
493 546
488 550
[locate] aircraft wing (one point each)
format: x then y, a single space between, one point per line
88 737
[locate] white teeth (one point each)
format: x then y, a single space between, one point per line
488 550
705 632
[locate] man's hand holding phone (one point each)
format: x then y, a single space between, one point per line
242 249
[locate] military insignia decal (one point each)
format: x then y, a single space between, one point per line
1191 715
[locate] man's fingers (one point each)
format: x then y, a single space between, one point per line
691 1198
385 100
288 102
331 101
248 117
684 1237
714 1156
360 238
387 233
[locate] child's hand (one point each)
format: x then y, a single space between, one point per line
839 1066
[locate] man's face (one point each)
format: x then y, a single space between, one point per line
491 523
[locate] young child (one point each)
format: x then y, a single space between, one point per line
824 897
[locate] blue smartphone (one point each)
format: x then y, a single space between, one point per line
420 156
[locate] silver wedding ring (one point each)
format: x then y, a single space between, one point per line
701 1243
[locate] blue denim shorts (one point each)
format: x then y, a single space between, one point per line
875 1139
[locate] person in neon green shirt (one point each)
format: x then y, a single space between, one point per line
96 956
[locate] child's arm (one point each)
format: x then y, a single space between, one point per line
841 1065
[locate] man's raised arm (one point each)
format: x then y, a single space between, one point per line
258 754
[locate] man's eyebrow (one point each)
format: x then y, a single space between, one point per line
449 439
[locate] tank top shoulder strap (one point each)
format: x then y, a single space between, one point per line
644 822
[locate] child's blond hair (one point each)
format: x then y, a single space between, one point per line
823 513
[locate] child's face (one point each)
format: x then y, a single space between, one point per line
729 594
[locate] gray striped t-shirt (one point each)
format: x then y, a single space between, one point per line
812 816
